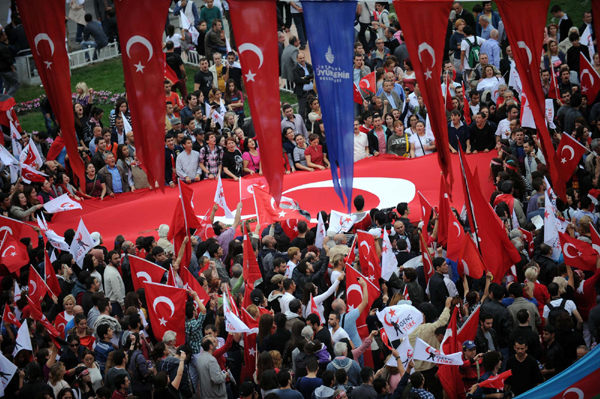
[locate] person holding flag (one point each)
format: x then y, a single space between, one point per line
348 318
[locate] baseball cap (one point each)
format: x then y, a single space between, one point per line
257 297
246 389
278 278
175 121
468 345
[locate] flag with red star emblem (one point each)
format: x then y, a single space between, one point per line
140 27
61 204
570 152
590 81
321 233
13 253
399 320
577 253
342 222
259 54
268 212
389 263
47 42
9 317
166 307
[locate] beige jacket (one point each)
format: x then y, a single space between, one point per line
426 332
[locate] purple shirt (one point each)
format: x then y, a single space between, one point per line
224 239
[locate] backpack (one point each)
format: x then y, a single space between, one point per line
473 53
556 311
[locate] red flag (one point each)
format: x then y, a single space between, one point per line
577 253
290 228
259 53
468 331
8 114
251 269
170 74
590 81
357 96
143 271
496 381
570 152
171 280
384 338
527 27
140 34
447 95
368 84
353 300
184 219
426 210
444 214
36 288
14 253
405 293
449 376
190 283
553 91
36 314
205 231
10 317
528 238
500 254
349 259
60 323
427 261
12 226
269 213
469 260
369 262
595 239
250 349
455 236
466 108
426 50
31 175
47 42
314 309
166 305
50 274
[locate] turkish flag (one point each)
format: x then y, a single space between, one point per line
570 152
466 108
170 74
426 210
166 307
184 219
368 84
384 338
171 280
595 239
358 99
590 81
10 317
469 260
444 214
36 314
526 31
47 42
496 381
553 91
468 331
248 184
140 34
528 238
8 114
369 261
354 296
500 254
50 274
13 253
36 288
290 228
449 376
31 156
428 269
455 236
60 323
250 349
577 253
190 283
30 175
427 46
251 269
205 231
143 271
269 213
259 54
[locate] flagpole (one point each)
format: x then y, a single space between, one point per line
240 185
187 231
473 228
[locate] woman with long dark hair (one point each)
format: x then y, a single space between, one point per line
121 108
265 326
234 100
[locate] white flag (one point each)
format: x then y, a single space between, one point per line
406 352
52 256
320 232
400 320
82 243
233 323
42 223
341 222
184 22
586 40
126 126
31 156
550 113
526 114
220 199
23 341
15 136
6 157
7 372
496 89
552 225
389 263
57 241
514 80
61 204
427 353
217 117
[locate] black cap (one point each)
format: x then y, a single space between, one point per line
257 297
247 389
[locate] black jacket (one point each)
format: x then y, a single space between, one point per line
438 292
316 278
374 140
502 320
300 79
548 269
6 58
482 343
534 347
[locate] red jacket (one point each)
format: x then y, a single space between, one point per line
585 295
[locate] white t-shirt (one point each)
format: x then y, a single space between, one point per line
569 306
284 302
425 140
464 46
176 39
289 270
503 129
338 335
361 142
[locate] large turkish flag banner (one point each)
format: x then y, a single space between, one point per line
141 25
426 50
259 54
46 37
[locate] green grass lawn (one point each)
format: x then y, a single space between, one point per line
104 76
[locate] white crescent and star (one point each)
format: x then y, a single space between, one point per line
34 287
457 228
256 50
596 248
465 267
366 245
522 44
577 391
144 275
166 300
37 40
144 42
587 71
425 46
566 249
7 229
353 287
568 147
7 248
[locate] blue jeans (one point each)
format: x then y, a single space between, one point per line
299 22
79 34
90 44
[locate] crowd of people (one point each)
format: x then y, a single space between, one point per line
537 320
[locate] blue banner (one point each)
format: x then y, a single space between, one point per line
330 31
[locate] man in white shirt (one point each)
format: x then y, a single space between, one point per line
557 302
289 287
336 331
361 143
113 284
465 47
503 131
294 255
188 163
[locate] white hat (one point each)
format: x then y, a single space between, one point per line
96 237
